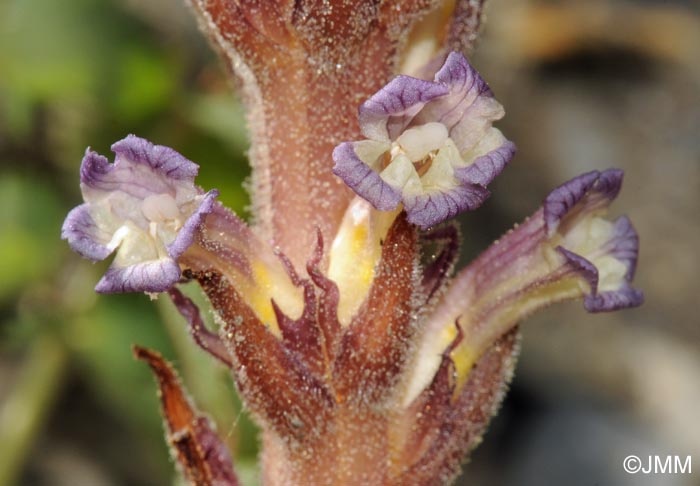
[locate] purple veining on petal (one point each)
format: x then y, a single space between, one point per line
624 245
164 159
609 183
604 191
598 188
464 85
140 169
97 175
624 298
93 168
84 236
582 266
430 209
185 236
560 201
457 73
149 276
389 111
485 168
362 179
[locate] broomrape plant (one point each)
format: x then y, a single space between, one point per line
361 357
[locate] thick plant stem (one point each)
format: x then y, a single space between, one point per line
352 452
305 114
303 69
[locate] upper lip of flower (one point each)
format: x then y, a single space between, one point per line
430 145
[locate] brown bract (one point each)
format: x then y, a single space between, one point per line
200 454
328 397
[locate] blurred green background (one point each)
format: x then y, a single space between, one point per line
76 409
585 84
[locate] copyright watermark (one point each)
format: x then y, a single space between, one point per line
658 464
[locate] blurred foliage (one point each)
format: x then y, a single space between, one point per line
88 72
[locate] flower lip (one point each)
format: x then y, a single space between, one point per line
387 113
601 187
604 254
430 145
361 178
163 159
595 301
610 279
145 207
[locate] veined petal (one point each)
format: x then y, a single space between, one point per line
437 205
440 195
185 237
164 160
140 169
565 250
84 236
485 168
362 174
598 189
476 125
145 206
467 93
389 111
149 276
607 258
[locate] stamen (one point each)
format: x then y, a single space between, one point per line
424 165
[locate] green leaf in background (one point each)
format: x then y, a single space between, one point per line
143 84
101 341
80 73
30 222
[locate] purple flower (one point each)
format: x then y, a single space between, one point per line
430 145
566 250
145 206
604 253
